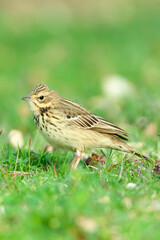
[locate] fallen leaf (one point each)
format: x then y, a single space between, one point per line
0 132
156 169
94 159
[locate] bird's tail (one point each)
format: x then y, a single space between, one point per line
138 154
122 146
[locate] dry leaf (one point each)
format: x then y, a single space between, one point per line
94 159
0 132
156 169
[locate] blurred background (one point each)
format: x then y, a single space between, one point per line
103 54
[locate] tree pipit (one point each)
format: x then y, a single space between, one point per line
68 125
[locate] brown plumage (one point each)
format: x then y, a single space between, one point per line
68 125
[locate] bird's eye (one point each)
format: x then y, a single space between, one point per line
41 97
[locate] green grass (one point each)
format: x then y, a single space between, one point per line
86 203
73 56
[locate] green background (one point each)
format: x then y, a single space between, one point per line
72 46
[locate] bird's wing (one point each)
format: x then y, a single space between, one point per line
79 116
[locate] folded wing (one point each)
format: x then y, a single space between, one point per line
77 115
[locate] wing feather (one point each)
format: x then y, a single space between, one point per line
77 115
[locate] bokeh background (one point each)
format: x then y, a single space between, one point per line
104 54
87 51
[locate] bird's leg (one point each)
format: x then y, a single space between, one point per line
78 155
76 160
72 163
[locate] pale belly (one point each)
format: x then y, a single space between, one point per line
71 139
56 134
58 139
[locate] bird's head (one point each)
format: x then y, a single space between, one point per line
40 97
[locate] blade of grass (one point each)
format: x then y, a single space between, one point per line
29 155
44 151
16 160
4 155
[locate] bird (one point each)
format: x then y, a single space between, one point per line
68 125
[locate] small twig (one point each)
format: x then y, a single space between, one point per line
103 153
115 165
55 173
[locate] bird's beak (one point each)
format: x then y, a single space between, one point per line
26 98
